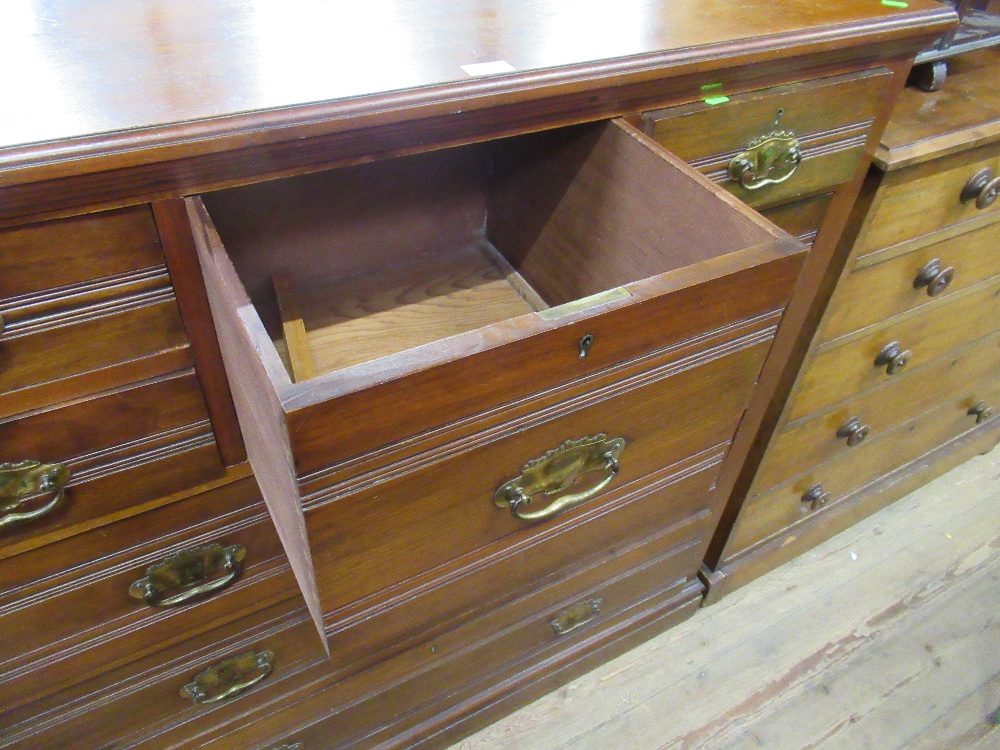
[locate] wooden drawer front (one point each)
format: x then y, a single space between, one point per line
830 117
803 445
122 448
801 219
60 253
873 293
96 345
128 705
67 612
375 538
780 509
918 200
843 371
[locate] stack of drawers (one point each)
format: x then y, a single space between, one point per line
902 379
107 438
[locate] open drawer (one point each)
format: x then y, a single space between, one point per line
408 302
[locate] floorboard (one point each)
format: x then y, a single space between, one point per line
887 636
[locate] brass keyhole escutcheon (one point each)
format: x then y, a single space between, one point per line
585 343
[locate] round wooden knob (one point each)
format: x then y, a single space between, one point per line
981 412
854 431
815 498
982 188
934 278
893 358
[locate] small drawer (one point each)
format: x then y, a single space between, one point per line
806 444
103 454
177 691
775 145
508 507
75 609
928 197
841 371
66 252
872 293
780 509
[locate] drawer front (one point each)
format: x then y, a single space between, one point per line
866 417
780 509
918 200
128 705
68 610
829 118
120 448
70 251
873 293
843 371
375 543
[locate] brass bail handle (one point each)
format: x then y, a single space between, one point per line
767 160
230 677
556 472
189 574
24 481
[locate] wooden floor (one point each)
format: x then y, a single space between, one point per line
887 636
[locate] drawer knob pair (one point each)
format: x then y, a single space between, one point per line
981 411
934 278
230 677
982 188
189 574
893 358
767 160
23 482
854 431
556 472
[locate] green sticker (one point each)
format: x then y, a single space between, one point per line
710 86
895 4
713 100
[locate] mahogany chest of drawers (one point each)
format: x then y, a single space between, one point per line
902 377
482 298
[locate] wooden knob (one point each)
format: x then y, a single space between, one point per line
934 278
981 412
815 498
854 431
893 358
982 188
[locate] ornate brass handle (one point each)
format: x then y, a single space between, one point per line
576 616
815 498
983 188
935 278
981 411
893 358
189 574
229 678
854 431
556 472
24 481
767 160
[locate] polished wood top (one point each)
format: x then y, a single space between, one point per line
965 113
74 68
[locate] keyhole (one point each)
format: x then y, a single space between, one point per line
778 115
585 343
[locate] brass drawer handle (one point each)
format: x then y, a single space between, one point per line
934 278
229 678
576 616
815 498
556 472
893 358
981 412
767 160
24 481
189 574
983 188
854 431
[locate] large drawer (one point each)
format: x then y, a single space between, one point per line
840 371
805 444
116 449
872 293
827 120
823 486
88 604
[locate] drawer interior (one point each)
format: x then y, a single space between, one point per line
372 261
